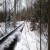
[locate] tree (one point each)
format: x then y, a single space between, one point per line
49 25
40 15
5 17
14 13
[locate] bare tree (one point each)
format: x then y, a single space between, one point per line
14 13
40 25
5 17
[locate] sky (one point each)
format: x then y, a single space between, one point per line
21 3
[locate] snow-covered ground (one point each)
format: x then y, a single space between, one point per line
11 38
11 28
2 29
29 40
8 28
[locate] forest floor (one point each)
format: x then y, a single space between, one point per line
28 40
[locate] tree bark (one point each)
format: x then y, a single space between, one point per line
48 24
5 17
40 26
14 13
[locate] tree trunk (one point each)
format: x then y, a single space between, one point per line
5 17
14 13
49 25
40 26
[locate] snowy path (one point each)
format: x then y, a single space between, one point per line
28 41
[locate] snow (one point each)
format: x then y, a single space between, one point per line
2 28
11 28
9 40
28 40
